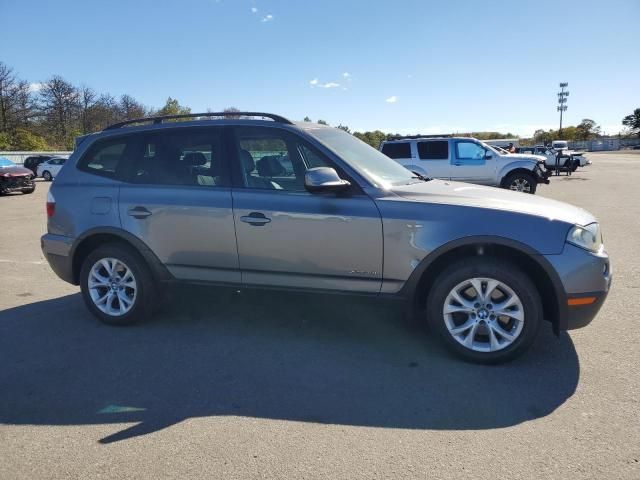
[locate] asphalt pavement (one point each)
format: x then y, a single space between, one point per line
280 385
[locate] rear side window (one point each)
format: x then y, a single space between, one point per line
103 158
435 150
185 157
397 150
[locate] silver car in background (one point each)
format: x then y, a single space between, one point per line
257 200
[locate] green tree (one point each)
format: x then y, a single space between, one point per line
173 107
322 122
345 128
25 140
633 121
306 119
5 141
587 129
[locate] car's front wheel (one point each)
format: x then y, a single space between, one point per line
47 175
485 310
521 182
116 285
28 190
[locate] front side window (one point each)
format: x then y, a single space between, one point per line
184 157
273 160
434 150
469 151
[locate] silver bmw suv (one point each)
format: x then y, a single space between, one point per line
257 200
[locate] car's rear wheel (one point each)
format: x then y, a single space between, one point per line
117 285
47 175
485 310
521 182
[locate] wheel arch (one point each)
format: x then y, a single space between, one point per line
507 173
531 262
93 238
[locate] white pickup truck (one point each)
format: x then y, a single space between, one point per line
467 159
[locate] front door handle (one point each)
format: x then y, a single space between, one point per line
256 219
138 212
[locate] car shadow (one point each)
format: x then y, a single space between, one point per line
308 358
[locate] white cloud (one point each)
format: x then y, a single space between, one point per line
267 18
346 75
329 85
313 82
35 87
392 99
254 10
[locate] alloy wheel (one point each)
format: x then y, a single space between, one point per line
483 314
112 286
520 185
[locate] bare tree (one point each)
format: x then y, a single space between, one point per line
16 104
130 108
61 105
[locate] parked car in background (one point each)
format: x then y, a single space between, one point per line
50 168
14 178
467 160
209 201
33 161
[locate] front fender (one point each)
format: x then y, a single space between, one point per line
504 170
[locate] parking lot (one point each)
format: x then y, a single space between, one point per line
280 385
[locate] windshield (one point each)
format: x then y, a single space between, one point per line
5 162
372 164
494 149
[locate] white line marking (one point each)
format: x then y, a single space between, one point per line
28 262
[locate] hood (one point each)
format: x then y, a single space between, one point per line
467 194
16 170
524 156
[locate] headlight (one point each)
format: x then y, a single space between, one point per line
588 237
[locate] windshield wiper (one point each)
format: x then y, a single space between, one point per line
421 177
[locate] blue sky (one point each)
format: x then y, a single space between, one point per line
399 66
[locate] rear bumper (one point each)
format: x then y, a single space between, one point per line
57 251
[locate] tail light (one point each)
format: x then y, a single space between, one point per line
51 205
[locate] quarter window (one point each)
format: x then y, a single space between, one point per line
397 150
433 150
104 158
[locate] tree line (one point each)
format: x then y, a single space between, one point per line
49 115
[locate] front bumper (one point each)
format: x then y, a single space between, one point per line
586 279
541 174
16 183
57 251
579 316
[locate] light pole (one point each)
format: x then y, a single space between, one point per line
562 103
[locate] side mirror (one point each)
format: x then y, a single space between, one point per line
324 179
488 155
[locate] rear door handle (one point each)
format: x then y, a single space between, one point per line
138 212
256 219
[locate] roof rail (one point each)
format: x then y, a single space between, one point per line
413 137
159 119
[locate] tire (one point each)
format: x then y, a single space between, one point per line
487 346
138 300
521 182
47 176
29 190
